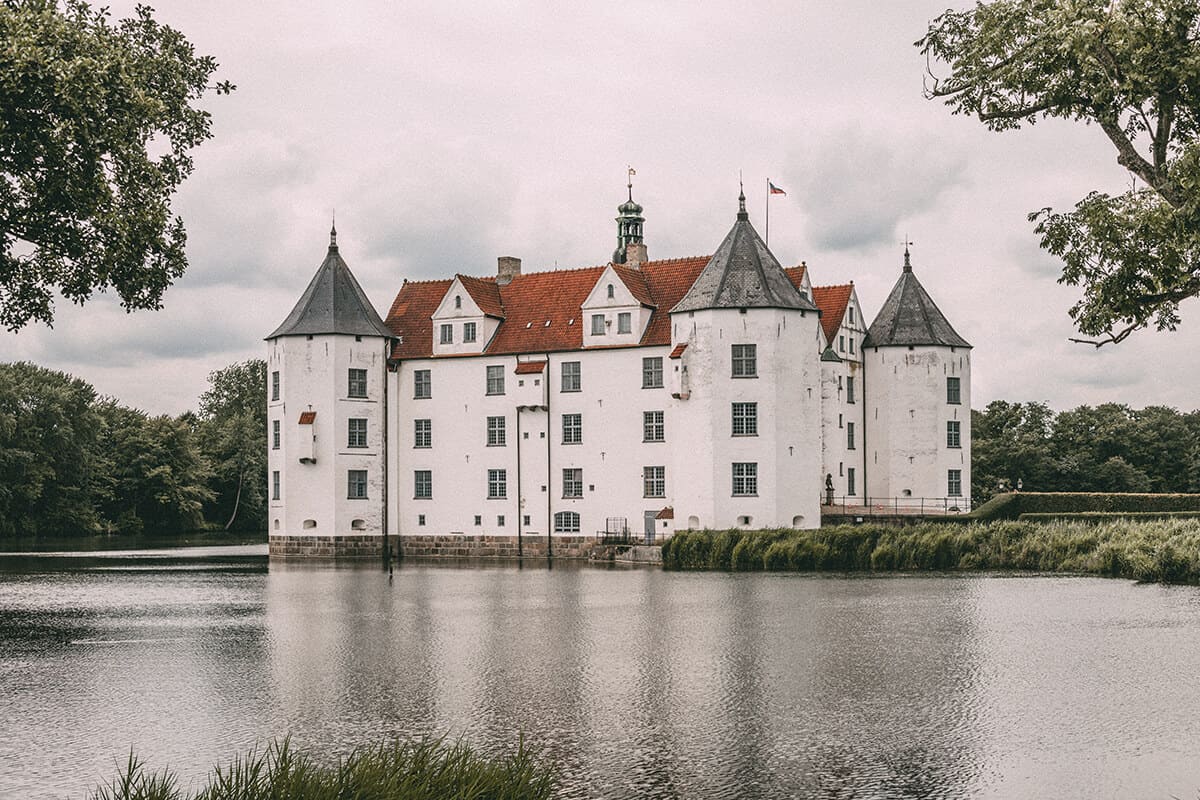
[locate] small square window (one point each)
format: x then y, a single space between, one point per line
478 519
745 419
745 360
420 519
527 522
500 520
745 479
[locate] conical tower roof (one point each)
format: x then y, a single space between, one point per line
910 317
333 303
743 274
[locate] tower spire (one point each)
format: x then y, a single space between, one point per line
907 262
333 232
742 215
629 223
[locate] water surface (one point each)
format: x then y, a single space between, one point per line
638 683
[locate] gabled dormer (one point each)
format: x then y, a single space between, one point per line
841 320
618 309
468 316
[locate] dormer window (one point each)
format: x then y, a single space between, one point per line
468 331
625 322
447 334
611 293
597 324
458 301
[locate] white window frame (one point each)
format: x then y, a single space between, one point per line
495 379
446 334
356 379
654 481
745 479
468 332
653 426
566 522
572 376
276 434
422 384
497 484
745 419
597 324
356 484
496 432
422 434
625 322
953 397
652 372
572 482
576 428
954 483
356 438
743 360
954 434
422 484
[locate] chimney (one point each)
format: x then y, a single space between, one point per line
635 254
507 268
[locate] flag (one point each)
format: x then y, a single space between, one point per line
775 189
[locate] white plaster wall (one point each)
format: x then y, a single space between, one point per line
611 402
787 390
906 421
314 376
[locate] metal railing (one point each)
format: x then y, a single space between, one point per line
851 505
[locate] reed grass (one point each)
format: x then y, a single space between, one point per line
1161 550
400 770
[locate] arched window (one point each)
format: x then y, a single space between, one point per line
797 520
458 301
358 525
693 523
310 523
611 294
566 522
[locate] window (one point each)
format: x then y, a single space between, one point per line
597 324
570 376
478 519
572 425
275 485
275 435
851 315
422 484
422 384
573 482
420 519
447 334
274 385
497 484
851 344
745 478
495 432
850 389
358 383
953 391
745 361
500 521
566 522
745 419
953 433
849 435
422 433
468 331
357 434
652 373
850 481
495 379
954 483
458 301
625 322
842 343
652 426
611 293
654 481
356 484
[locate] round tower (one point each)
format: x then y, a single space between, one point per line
326 408
917 376
629 226
749 345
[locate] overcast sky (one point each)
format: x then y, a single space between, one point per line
447 134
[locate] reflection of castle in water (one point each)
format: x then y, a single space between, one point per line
640 683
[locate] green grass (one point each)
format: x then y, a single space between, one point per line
1163 550
1012 505
401 770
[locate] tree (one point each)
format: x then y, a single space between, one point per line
232 428
97 121
1132 67
48 434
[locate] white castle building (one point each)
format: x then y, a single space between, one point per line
526 412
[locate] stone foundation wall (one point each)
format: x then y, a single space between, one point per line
338 547
456 546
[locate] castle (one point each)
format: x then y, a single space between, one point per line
532 413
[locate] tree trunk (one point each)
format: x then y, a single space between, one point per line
236 503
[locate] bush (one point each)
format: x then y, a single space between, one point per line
1013 504
1165 549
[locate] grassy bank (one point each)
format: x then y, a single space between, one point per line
424 770
1166 551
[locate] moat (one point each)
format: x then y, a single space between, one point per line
637 682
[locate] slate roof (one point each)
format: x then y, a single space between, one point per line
743 273
910 317
832 300
333 303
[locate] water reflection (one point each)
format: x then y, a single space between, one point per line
638 683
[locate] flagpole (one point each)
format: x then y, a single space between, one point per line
768 231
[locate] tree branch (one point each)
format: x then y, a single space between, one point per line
1129 158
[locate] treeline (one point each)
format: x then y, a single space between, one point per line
1106 448
75 463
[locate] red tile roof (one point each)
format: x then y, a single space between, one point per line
485 293
307 417
554 296
678 351
530 367
832 300
796 274
666 513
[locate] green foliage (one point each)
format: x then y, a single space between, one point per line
1132 67
232 432
97 121
1106 448
1105 516
1166 550
48 451
400 770
1017 504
